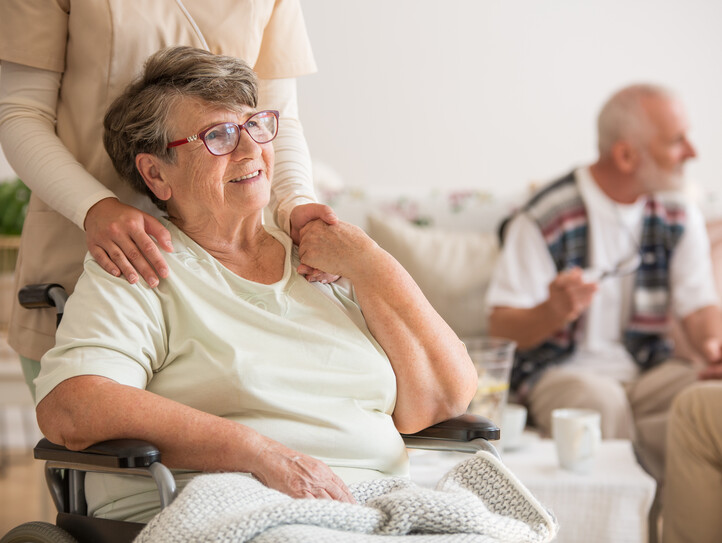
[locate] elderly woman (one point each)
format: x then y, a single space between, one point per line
235 362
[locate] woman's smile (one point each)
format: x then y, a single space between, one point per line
256 175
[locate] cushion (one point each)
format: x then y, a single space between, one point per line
452 268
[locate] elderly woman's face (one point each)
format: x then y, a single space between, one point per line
237 183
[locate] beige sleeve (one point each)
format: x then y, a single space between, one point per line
292 177
28 98
285 49
34 32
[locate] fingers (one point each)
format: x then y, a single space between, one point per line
570 295
106 263
328 216
305 270
335 489
110 257
314 275
153 227
133 257
339 491
322 277
145 257
119 238
300 475
303 214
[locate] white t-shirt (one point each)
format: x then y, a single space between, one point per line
294 360
525 269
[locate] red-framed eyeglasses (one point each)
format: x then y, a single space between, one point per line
222 139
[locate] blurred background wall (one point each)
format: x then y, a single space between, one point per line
496 94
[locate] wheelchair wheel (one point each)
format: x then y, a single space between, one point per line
37 532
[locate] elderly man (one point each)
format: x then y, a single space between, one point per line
591 267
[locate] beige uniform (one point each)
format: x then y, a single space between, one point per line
99 47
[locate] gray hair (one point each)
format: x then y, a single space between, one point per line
623 116
137 121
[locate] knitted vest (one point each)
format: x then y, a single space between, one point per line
561 215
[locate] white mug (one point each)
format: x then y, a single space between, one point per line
577 434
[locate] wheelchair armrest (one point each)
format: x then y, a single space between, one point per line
463 428
117 453
40 296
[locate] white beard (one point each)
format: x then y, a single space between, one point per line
654 179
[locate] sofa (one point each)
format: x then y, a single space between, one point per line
448 242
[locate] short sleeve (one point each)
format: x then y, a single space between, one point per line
285 49
524 268
34 32
692 279
110 328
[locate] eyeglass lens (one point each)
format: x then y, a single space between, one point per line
223 138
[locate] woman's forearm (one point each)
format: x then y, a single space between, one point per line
435 376
85 410
88 409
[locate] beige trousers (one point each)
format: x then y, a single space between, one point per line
637 411
693 491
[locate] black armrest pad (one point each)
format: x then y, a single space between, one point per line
117 453
463 428
37 296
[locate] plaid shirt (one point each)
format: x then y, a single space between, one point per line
561 215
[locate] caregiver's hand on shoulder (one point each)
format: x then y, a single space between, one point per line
341 249
301 215
119 239
298 475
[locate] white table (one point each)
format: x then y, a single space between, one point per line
610 504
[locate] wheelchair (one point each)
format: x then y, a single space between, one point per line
65 469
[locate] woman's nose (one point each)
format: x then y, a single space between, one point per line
247 147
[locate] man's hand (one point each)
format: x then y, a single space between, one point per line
569 295
298 475
119 238
300 216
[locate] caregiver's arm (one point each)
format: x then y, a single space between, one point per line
117 235
435 377
87 409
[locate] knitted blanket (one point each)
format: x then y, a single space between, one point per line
478 501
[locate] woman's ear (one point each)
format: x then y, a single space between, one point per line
150 168
626 157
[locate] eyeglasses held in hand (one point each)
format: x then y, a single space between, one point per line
222 139
624 267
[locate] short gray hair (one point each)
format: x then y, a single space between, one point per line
137 121
623 116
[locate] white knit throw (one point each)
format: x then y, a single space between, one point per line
478 501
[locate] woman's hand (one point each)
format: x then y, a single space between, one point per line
341 249
298 475
300 217
119 238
